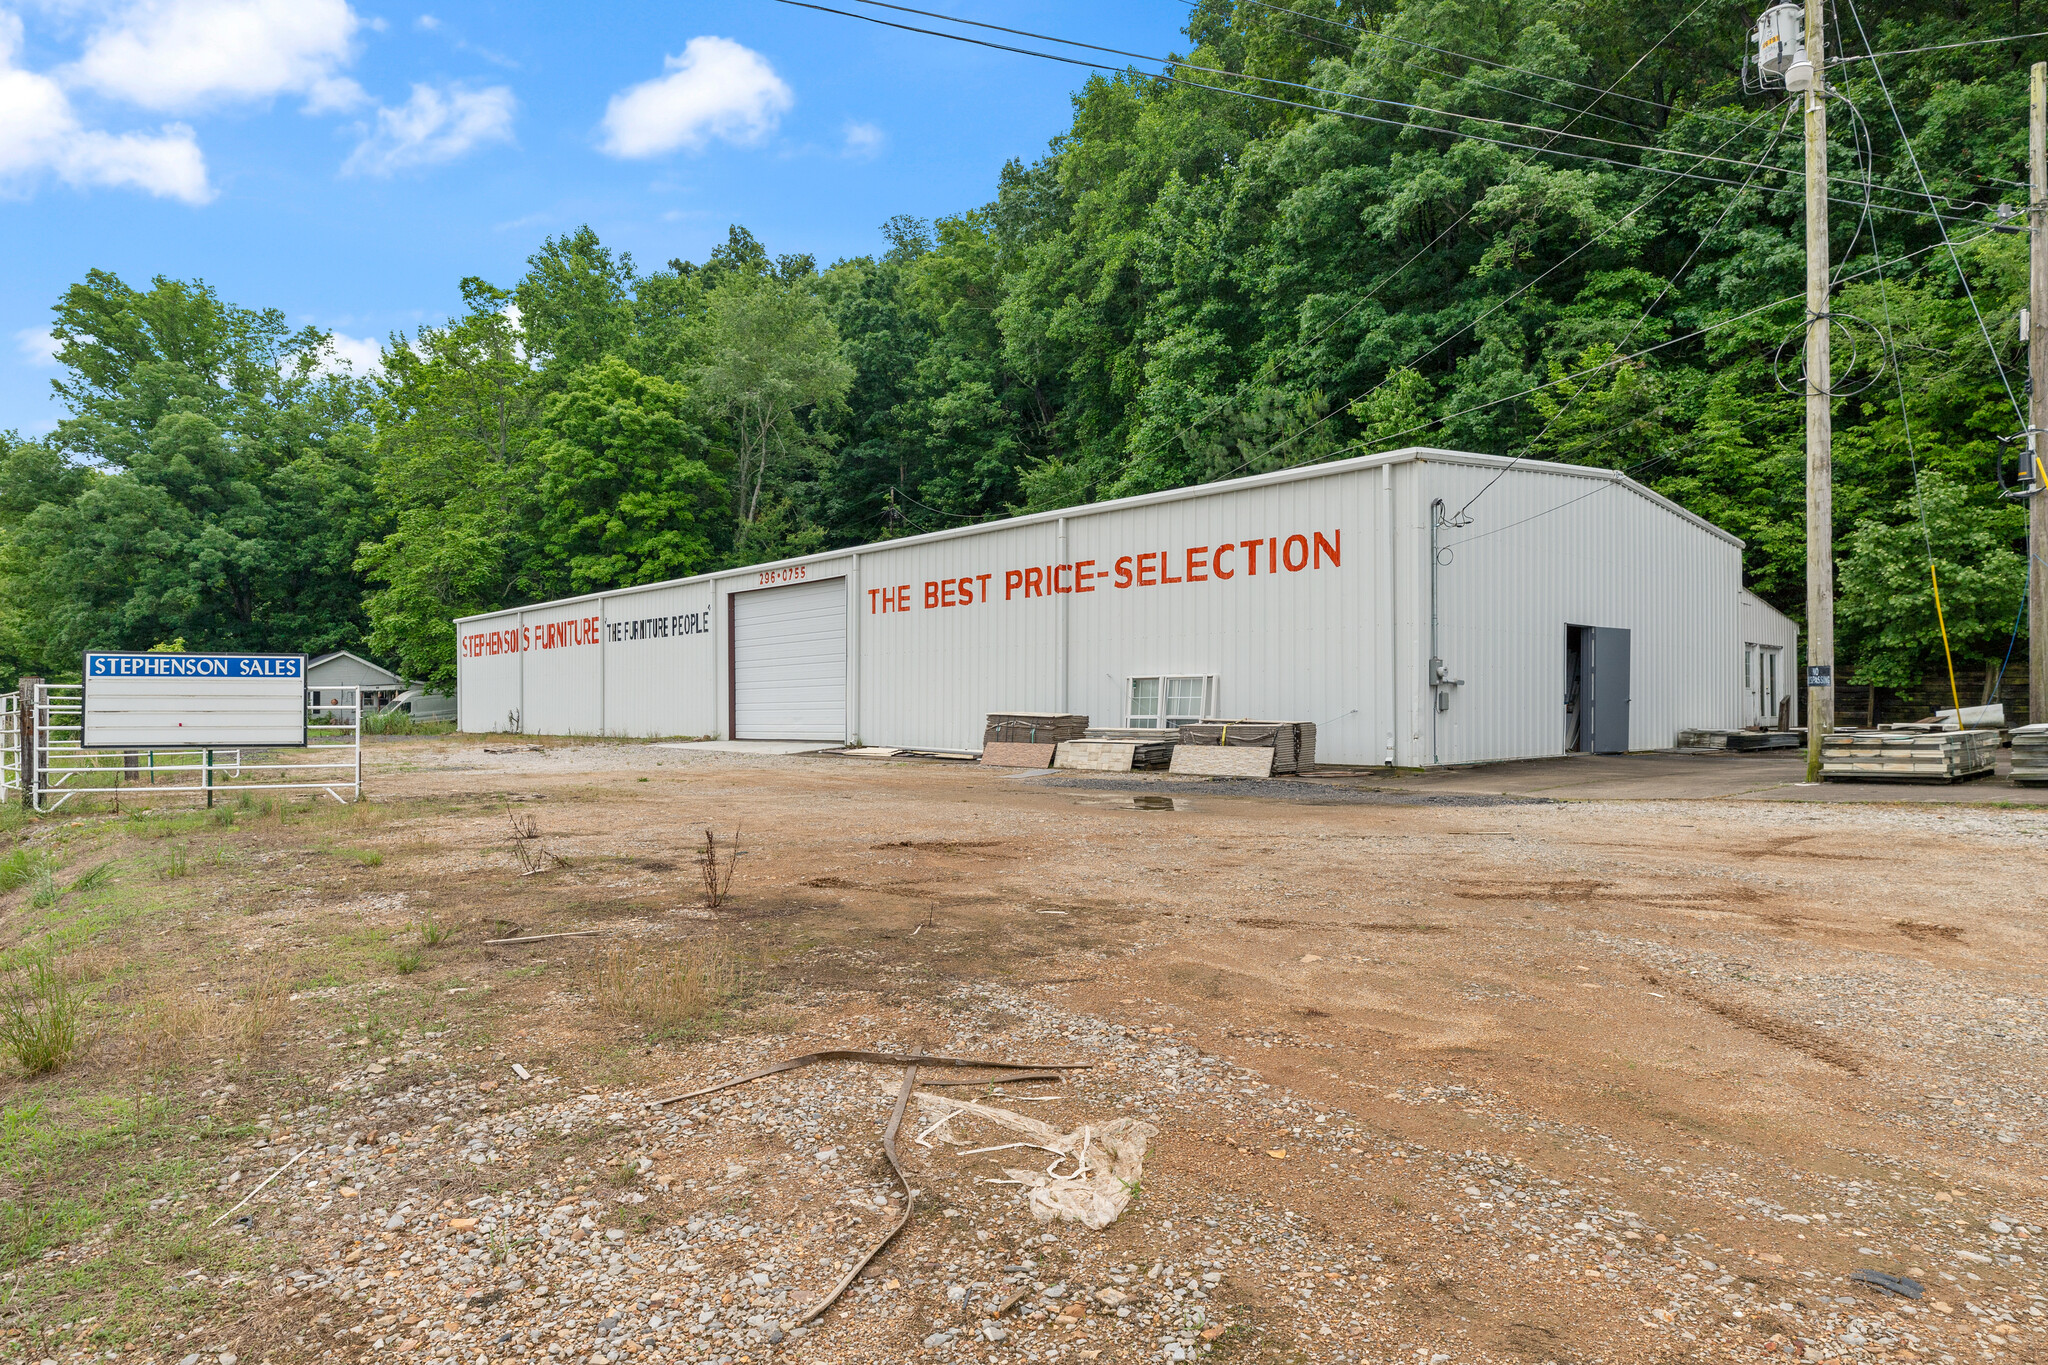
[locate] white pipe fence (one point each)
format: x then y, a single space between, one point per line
59 769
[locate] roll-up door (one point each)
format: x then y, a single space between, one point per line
789 662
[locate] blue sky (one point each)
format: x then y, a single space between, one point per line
349 162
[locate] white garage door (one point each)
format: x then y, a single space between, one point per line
789 662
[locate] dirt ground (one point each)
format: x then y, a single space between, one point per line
1436 1076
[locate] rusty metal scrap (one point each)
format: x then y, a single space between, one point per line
1018 1072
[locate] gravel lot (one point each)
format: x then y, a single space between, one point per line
1434 1082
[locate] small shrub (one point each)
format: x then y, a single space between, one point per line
715 871
673 993
39 1018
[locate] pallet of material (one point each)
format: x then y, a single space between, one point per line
1753 741
1005 755
1220 760
1032 727
1112 755
1873 755
2030 755
1293 742
1168 734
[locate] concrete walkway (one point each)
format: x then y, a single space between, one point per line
755 746
1663 775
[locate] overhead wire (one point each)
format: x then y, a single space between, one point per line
1634 327
1940 223
1694 335
1404 124
1272 364
1941 47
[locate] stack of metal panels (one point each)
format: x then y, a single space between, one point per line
1113 755
2030 755
1890 755
1293 742
1033 727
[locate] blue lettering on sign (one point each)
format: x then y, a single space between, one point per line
223 666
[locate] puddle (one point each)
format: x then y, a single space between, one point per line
1138 802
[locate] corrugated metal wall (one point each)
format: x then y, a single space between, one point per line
1546 548
1056 613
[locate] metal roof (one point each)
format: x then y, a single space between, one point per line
1200 490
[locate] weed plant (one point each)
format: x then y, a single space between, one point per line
674 993
39 1017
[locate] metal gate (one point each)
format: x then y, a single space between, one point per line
10 747
59 768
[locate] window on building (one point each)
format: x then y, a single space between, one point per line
1167 702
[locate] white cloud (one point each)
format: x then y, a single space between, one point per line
864 141
432 127
717 88
364 355
426 23
37 347
41 135
188 54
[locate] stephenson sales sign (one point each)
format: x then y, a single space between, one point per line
194 701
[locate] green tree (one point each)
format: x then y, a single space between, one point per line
774 372
1886 610
627 488
457 427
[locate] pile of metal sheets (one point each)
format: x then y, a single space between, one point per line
1890 755
1113 755
1032 727
2030 755
1293 742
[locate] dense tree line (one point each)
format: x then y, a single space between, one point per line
1435 228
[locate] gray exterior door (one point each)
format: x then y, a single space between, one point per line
1606 691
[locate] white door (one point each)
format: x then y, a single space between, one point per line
789 662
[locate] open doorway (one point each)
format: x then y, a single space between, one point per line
1596 690
1574 689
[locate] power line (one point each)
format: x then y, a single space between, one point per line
1940 224
1610 361
1938 47
1518 70
1619 144
1269 367
1634 327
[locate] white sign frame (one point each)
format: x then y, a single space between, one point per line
198 700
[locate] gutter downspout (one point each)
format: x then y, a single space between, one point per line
1392 672
1440 681
522 673
853 652
1061 602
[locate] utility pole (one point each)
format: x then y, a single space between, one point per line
2037 397
1820 473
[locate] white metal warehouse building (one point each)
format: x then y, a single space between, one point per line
1570 608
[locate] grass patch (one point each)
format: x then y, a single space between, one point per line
174 863
23 866
39 1017
406 961
433 933
674 993
368 857
94 879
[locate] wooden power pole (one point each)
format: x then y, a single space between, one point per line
1820 475
2037 400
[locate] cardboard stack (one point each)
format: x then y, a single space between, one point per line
1270 747
1027 739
